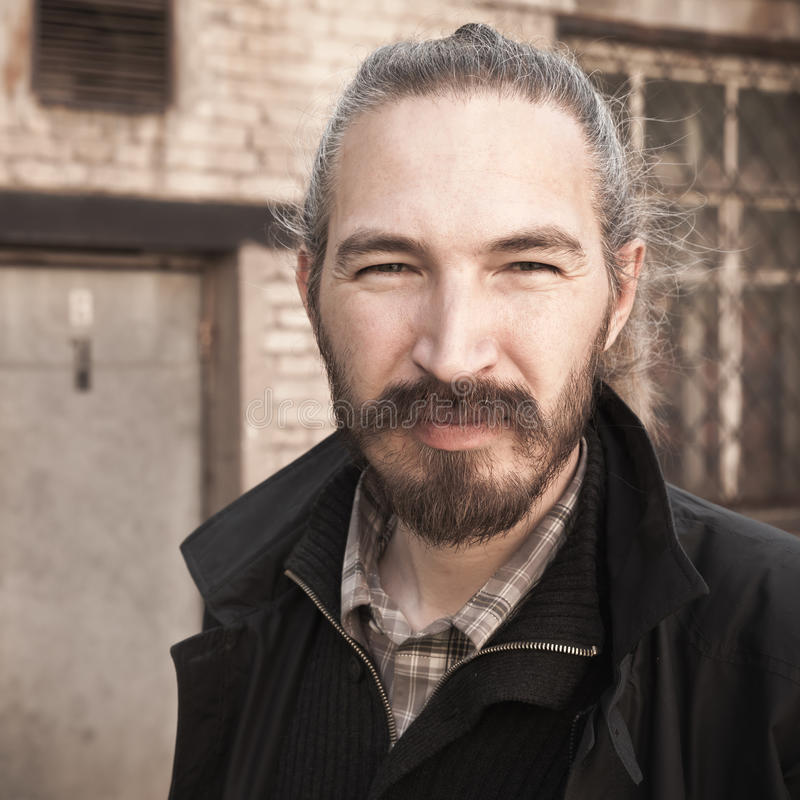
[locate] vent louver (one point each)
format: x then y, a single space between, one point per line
111 55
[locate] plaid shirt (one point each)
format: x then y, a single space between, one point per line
410 662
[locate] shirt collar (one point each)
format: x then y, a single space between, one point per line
488 608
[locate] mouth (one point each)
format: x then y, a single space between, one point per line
455 435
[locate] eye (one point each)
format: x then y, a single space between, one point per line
387 269
532 266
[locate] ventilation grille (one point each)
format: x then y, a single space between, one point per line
111 55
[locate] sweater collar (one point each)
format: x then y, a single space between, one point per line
317 560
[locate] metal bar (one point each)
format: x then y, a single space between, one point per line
729 281
694 395
636 109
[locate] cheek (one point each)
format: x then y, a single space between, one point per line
546 337
372 333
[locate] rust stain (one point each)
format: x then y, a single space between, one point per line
18 50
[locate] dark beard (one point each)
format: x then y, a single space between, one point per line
453 498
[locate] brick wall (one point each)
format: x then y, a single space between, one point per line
251 86
285 405
252 82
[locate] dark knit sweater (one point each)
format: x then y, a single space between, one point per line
502 726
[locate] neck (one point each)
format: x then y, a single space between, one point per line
427 582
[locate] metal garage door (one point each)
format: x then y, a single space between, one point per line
100 456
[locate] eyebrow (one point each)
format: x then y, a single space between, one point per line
364 242
545 237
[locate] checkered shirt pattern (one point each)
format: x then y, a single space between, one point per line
411 663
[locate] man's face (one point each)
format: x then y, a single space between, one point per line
464 278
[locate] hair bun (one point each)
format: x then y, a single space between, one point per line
476 32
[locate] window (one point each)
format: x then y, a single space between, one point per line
725 133
111 55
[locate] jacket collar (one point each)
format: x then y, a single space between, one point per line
237 558
650 576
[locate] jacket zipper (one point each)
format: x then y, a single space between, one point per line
573 734
550 647
357 647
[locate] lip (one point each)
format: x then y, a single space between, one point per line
453 436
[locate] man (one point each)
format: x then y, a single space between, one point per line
480 587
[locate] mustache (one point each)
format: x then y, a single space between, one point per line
466 400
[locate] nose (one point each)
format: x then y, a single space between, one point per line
454 337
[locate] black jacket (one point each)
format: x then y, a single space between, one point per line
704 639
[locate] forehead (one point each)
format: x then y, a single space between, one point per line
457 171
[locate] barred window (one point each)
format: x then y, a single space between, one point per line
725 134
112 55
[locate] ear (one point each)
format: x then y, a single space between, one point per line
302 274
629 258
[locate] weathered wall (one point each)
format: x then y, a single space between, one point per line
249 76
764 18
252 75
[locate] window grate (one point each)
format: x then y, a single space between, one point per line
112 55
723 131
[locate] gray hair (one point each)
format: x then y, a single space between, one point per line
476 58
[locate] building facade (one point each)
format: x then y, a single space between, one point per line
155 360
